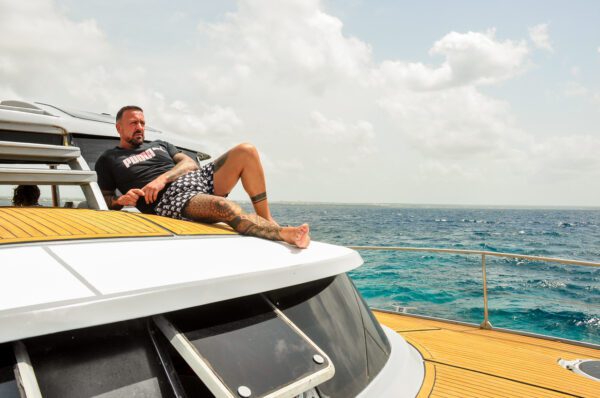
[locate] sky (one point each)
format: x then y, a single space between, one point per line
429 102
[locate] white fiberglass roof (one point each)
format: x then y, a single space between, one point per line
58 286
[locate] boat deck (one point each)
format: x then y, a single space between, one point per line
465 361
41 224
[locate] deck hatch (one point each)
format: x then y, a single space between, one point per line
589 368
272 356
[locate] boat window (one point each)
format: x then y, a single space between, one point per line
8 383
92 147
115 360
245 347
331 313
36 138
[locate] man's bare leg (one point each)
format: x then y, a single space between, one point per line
211 209
243 162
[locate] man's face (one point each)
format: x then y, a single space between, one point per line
131 129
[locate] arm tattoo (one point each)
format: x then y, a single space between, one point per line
221 161
183 165
259 198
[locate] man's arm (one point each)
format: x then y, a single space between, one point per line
183 165
129 199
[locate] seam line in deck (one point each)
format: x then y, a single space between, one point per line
501 377
416 330
72 271
533 344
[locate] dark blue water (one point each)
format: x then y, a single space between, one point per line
546 298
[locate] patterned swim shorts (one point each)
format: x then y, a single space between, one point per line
183 189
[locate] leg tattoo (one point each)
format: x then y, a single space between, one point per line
259 198
211 209
253 225
220 161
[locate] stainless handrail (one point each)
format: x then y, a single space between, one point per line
486 322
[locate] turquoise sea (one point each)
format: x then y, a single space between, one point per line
546 298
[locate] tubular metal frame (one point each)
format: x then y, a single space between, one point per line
485 324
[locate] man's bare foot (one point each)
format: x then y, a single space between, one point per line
297 236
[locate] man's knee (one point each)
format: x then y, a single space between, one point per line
246 149
225 206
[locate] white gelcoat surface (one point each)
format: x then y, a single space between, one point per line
134 265
31 276
403 373
103 281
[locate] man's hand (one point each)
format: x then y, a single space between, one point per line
151 190
130 198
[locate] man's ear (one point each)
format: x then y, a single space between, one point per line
118 126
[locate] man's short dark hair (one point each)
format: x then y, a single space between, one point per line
128 108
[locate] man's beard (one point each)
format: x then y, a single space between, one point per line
136 142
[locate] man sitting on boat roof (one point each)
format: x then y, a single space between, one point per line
157 178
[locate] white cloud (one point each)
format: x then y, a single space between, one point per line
575 71
454 124
575 89
470 59
479 58
286 76
41 48
290 42
568 156
540 37
358 137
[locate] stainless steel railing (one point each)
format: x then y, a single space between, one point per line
486 321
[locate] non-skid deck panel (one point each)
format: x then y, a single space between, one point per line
36 224
188 228
460 383
408 323
469 362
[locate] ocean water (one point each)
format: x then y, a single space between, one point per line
547 298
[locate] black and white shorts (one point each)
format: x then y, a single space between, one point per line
183 189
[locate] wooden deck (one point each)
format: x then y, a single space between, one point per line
464 361
40 224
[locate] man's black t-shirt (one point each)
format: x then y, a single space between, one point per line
134 168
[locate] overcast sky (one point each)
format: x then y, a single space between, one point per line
463 102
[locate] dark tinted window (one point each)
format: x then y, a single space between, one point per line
37 138
116 359
124 359
8 384
246 343
92 147
332 314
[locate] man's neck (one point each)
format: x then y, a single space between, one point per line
127 145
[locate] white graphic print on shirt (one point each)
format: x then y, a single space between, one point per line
147 154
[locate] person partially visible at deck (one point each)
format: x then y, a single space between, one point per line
26 195
157 178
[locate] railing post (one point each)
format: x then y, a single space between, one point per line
486 321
